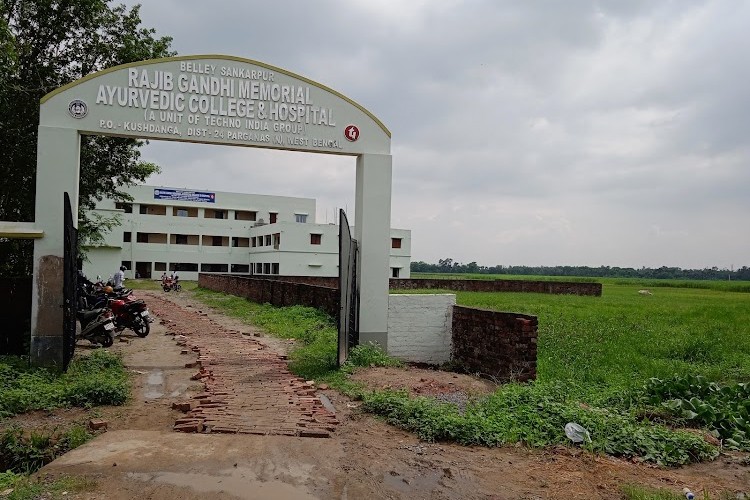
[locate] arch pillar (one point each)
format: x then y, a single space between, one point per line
58 154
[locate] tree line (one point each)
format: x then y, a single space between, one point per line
448 265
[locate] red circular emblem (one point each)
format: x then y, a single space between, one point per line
351 132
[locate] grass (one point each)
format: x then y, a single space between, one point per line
147 284
622 339
597 356
93 380
26 488
97 379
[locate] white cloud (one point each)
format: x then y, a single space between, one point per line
604 133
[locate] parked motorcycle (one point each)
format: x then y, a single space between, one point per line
131 313
128 311
169 284
97 326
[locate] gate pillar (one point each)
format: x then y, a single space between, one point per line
57 172
372 229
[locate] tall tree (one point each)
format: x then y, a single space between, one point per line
45 44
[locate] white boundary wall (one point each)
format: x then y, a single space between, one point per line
419 327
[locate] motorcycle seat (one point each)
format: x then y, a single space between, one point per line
88 315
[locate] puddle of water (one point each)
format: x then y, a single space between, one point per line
239 482
155 377
155 385
426 482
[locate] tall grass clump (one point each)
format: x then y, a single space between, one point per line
97 379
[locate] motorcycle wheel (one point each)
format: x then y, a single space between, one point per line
167 288
106 340
141 327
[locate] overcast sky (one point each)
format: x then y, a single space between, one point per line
524 133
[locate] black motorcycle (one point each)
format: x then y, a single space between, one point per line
97 326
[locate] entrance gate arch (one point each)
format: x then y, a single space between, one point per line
212 99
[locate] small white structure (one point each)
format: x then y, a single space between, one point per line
186 232
420 326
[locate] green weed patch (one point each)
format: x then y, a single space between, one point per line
722 409
536 414
26 452
26 488
96 379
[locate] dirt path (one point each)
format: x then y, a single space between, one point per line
141 456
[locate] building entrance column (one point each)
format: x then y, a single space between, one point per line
372 229
57 173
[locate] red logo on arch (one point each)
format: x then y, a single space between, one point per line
351 132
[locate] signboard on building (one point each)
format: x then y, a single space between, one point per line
184 195
217 99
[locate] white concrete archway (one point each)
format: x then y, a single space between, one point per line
213 99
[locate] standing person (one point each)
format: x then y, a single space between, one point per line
118 278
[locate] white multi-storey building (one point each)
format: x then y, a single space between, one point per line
167 230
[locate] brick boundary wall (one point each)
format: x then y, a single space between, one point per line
497 345
275 292
551 287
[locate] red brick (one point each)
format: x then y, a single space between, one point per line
96 424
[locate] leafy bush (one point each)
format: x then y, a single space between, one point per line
371 355
22 452
536 414
96 379
723 409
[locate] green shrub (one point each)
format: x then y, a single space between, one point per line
536 414
97 379
693 400
371 355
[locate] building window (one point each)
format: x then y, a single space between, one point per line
395 271
267 268
245 215
300 218
217 241
126 207
183 266
141 237
252 241
215 268
258 268
268 240
395 243
315 239
160 266
220 214
128 264
153 210
180 239
240 268
276 240
272 217
181 212
275 268
127 236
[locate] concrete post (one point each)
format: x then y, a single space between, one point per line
372 231
58 156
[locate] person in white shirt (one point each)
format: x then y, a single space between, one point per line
118 278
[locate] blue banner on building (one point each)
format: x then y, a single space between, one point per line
182 195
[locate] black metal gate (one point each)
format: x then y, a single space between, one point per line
70 284
349 294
